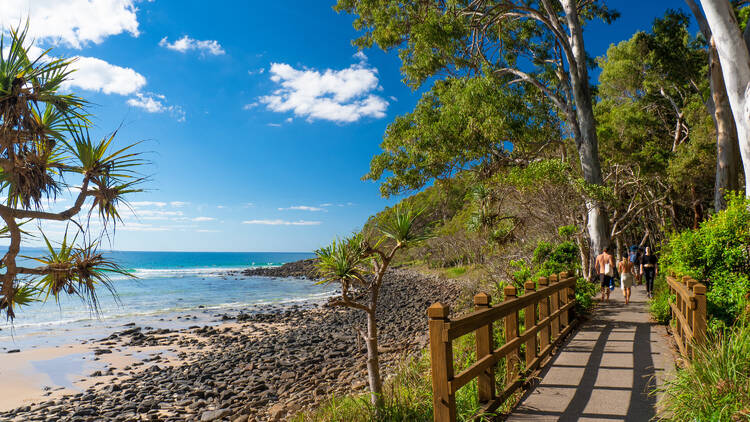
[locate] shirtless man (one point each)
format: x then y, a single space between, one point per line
605 270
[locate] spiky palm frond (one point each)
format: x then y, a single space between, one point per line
400 225
21 295
78 271
344 260
96 158
109 197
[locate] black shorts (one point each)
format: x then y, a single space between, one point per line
605 280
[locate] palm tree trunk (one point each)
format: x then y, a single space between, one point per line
373 362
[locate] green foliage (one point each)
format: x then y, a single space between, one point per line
716 385
460 123
659 304
44 141
718 255
585 293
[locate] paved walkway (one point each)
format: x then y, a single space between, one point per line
606 370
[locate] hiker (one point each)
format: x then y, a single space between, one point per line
605 269
626 276
635 257
650 269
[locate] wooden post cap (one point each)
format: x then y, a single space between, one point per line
482 299
543 281
564 274
553 278
510 291
690 283
438 310
529 285
699 289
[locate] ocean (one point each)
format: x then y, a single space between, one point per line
172 289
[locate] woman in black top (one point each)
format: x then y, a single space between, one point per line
650 268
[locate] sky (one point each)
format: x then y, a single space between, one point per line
258 118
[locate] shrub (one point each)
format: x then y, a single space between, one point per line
659 304
718 255
585 293
716 387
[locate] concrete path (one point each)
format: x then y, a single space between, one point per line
606 371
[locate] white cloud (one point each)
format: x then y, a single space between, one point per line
149 102
197 219
186 43
221 207
301 208
327 204
94 74
178 203
250 106
138 204
158 214
154 103
361 56
282 222
341 96
138 227
260 71
72 22
207 231
274 124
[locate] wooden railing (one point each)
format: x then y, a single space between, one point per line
688 313
548 313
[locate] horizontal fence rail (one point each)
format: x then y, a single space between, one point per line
688 313
547 316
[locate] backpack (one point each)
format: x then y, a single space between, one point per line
634 257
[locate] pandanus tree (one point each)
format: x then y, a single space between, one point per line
359 263
45 148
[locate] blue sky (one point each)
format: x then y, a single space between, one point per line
259 117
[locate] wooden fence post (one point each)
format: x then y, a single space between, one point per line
530 322
555 299
511 332
689 282
441 355
699 314
544 339
486 380
565 299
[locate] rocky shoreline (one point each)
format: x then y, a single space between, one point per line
304 268
260 366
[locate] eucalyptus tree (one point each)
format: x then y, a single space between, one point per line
463 124
727 146
654 130
44 143
359 263
536 42
734 55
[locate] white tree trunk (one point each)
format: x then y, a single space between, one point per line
588 144
735 64
727 146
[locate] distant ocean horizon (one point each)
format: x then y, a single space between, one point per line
167 284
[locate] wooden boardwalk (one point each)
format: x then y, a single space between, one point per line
606 371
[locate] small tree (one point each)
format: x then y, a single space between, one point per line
360 266
44 138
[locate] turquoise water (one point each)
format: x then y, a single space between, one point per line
168 285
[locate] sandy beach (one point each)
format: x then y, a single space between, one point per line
263 365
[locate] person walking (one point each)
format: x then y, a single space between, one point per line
635 258
604 265
650 269
625 267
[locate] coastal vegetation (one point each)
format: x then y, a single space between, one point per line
525 166
45 150
359 263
